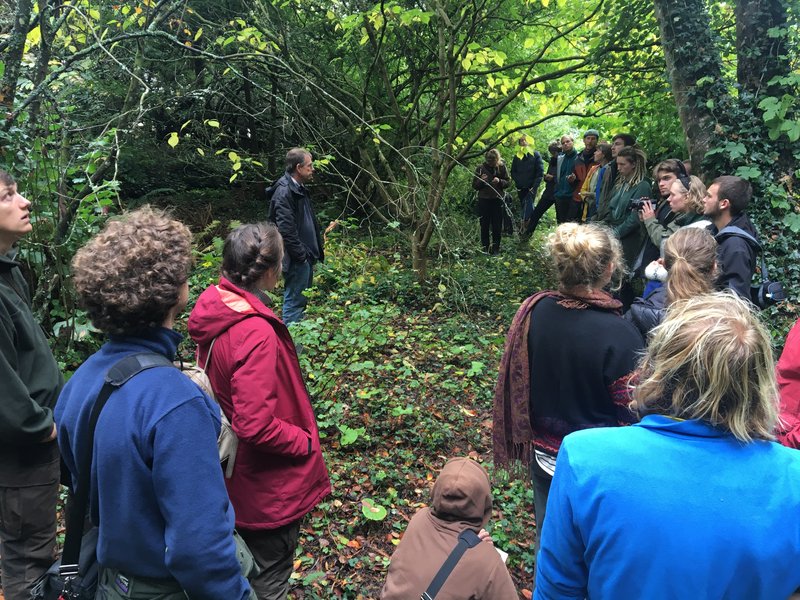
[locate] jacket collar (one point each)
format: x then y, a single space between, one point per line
8 261
157 339
294 187
242 301
690 428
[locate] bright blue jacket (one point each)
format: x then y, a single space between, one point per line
671 509
157 494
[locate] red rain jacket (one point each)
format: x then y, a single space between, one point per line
256 378
788 371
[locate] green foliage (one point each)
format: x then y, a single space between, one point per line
402 376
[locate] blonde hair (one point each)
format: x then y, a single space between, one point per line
690 255
638 159
711 359
582 253
494 153
695 193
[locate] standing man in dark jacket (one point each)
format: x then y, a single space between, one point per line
567 209
29 385
725 202
290 209
548 195
527 171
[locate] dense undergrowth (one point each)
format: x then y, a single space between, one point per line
402 376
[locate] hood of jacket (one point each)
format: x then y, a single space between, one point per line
742 221
462 493
8 261
221 306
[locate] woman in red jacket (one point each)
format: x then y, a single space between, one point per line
279 474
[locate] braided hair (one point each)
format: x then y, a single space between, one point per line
249 252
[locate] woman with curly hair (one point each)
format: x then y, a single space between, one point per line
567 358
164 519
279 475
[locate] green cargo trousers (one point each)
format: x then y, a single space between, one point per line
115 585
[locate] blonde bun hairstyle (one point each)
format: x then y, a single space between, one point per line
581 255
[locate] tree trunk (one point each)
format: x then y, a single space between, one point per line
760 57
16 46
419 255
694 68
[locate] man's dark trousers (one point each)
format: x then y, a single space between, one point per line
29 478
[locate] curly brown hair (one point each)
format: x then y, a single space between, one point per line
129 276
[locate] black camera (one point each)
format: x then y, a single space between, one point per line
637 204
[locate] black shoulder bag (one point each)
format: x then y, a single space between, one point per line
75 575
768 292
466 539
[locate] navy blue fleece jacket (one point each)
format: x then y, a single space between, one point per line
157 493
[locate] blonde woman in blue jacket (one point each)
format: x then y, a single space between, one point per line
694 501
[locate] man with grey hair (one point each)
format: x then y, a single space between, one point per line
290 209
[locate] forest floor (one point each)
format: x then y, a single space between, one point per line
402 377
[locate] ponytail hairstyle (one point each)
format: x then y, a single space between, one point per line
639 159
690 256
249 252
582 253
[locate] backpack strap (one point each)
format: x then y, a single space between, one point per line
119 373
741 233
466 539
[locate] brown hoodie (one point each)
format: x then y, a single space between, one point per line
462 499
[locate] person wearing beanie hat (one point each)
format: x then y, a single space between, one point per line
461 499
593 132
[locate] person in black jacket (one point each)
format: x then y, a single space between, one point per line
527 171
548 195
490 180
725 202
290 209
690 258
29 385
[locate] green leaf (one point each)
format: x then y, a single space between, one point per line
373 511
349 435
749 173
792 221
212 123
173 139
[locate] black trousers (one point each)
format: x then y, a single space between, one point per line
545 202
567 210
28 494
490 211
273 550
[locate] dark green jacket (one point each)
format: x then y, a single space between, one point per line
29 374
624 221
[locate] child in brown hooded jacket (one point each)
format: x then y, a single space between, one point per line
462 499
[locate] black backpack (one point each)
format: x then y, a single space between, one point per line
768 292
